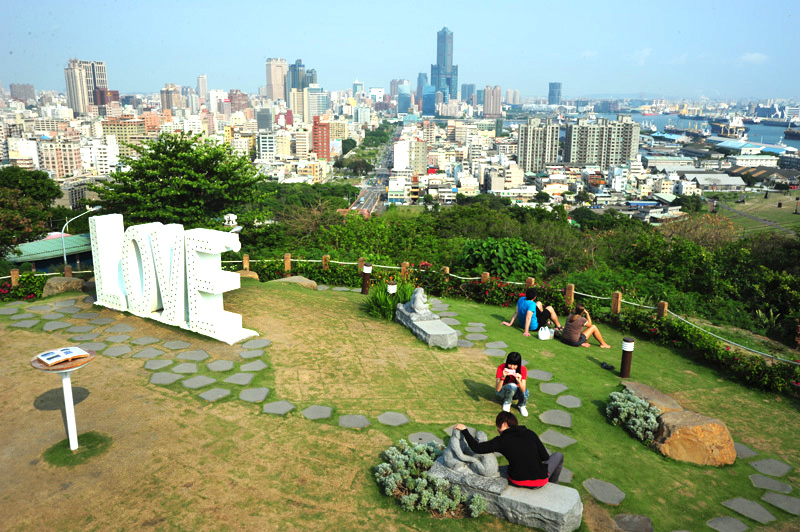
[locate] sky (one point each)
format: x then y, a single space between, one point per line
680 49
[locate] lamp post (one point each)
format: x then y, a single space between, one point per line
63 246
365 278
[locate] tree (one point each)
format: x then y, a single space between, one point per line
542 197
690 203
583 196
25 199
33 184
180 179
348 145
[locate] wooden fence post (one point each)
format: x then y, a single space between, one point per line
15 277
246 262
446 270
616 302
569 294
662 308
485 277
529 282
404 270
325 260
361 264
287 262
67 271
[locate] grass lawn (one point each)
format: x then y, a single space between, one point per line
766 209
180 463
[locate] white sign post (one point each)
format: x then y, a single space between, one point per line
164 273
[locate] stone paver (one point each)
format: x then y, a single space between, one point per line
317 412
323 287
84 337
539 375
278 407
258 365
393 419
24 324
743 451
750 509
603 491
7 311
784 502
55 325
253 353
258 343
149 352
354 421
81 329
53 316
89 299
220 365
70 310
25 316
464 343
496 345
214 394
556 439
164 378
726 524
355 290
451 321
566 476
94 346
254 395
120 328
448 314
494 352
340 289
195 356
85 316
568 401
117 350
771 467
101 321
553 388
476 324
156 364
767 483
186 367
198 382
242 379
634 523
145 340
424 437
476 336
65 303
474 329
118 338
176 344
558 418
40 308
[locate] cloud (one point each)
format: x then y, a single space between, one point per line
679 60
588 54
640 56
753 58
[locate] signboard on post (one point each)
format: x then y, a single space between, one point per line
164 273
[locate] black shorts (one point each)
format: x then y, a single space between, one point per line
542 318
581 341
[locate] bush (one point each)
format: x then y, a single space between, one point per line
512 258
634 414
404 475
30 287
381 304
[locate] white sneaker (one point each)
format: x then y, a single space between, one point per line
523 411
506 407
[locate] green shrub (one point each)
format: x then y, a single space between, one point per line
404 475
30 287
512 258
382 304
634 414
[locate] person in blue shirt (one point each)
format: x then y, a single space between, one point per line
525 313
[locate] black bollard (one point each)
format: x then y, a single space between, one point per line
627 356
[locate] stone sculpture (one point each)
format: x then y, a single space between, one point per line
417 308
459 457
425 325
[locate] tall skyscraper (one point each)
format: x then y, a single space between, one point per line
538 144
77 92
265 119
315 102
96 77
467 91
603 143
429 100
202 86
554 96
321 139
422 80
492 102
358 88
311 76
403 97
22 92
276 78
295 78
444 73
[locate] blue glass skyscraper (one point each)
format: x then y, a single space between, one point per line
403 98
444 73
429 100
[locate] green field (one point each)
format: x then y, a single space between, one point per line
765 209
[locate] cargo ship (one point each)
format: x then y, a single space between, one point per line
730 128
793 134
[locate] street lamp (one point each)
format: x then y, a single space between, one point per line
63 247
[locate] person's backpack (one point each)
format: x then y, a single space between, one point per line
545 333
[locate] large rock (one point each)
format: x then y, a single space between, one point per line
662 401
298 279
59 285
250 274
432 332
692 437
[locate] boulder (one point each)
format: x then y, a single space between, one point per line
59 285
298 279
433 332
691 437
662 401
249 274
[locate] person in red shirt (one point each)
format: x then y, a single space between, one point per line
511 383
529 464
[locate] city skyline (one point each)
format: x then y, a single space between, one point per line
680 50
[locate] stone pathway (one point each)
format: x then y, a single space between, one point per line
604 492
750 509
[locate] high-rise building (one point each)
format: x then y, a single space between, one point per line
554 95
492 102
311 76
265 119
77 91
96 77
295 78
538 144
429 100
393 86
603 143
403 97
422 80
170 96
276 78
444 73
479 97
358 88
62 157
321 139
22 92
202 87
315 102
418 157
296 104
467 91
239 100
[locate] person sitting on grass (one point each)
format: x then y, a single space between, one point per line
529 464
525 313
511 383
574 334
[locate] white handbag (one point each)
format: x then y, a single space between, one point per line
545 333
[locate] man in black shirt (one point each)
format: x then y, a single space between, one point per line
529 465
